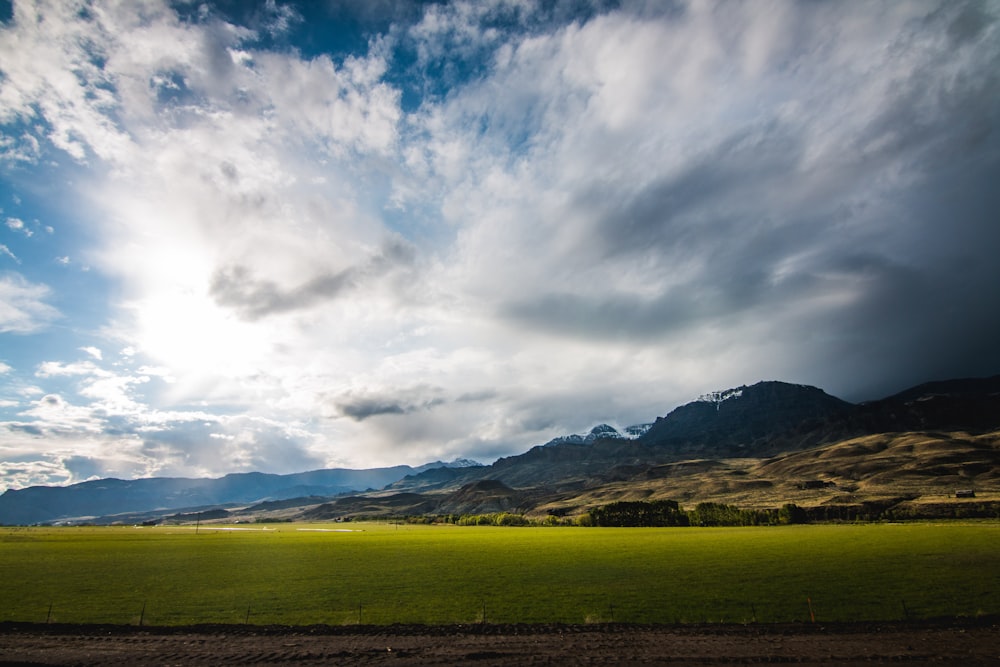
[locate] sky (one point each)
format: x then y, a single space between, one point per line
283 236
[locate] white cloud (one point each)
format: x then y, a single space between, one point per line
339 108
107 431
222 158
23 307
612 214
22 474
49 369
44 67
17 225
4 250
23 149
54 415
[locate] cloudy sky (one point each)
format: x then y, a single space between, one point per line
282 236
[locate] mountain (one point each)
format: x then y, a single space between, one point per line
484 496
457 463
600 432
105 497
971 403
912 474
756 421
766 443
757 418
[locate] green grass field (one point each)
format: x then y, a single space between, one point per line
449 574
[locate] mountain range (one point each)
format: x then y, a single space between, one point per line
762 444
116 498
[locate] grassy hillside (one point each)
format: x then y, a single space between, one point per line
916 473
300 574
912 467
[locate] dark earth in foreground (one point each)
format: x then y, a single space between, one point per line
939 642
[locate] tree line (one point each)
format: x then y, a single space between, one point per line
667 513
636 514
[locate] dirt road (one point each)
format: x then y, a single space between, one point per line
953 643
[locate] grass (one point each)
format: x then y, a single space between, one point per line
383 574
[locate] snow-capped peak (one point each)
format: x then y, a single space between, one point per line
601 432
464 463
719 397
637 430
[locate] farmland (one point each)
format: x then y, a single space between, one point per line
342 574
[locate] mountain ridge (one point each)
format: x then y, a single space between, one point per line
760 420
757 421
111 496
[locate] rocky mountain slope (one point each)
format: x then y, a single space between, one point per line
912 473
767 443
756 421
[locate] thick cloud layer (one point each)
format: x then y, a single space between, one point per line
381 233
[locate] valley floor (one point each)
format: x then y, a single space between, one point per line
970 642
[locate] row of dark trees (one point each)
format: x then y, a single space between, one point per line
669 513
666 513
489 519
639 514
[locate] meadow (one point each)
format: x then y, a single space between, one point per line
383 574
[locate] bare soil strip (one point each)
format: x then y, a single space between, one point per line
964 642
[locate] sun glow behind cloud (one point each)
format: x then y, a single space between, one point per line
491 224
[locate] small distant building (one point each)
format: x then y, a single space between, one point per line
965 493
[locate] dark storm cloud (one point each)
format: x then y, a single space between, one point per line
254 298
362 406
722 221
609 317
965 23
935 313
876 261
705 202
724 297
